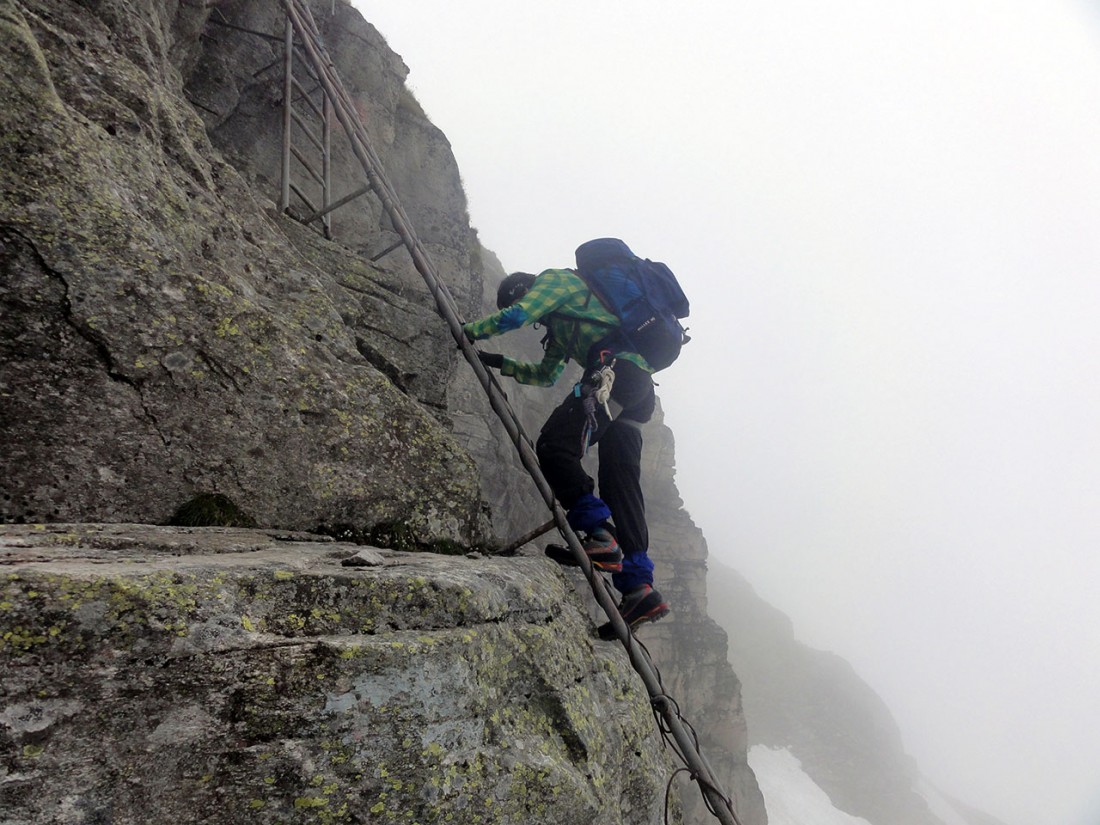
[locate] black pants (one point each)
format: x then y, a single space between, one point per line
559 450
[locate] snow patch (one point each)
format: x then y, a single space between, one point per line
790 796
939 804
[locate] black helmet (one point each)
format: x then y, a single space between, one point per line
513 288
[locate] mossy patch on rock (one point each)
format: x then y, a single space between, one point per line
211 510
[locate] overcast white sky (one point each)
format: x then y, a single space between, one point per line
887 217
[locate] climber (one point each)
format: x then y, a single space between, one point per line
612 526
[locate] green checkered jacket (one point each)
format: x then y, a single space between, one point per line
575 317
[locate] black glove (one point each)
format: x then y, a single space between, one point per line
493 360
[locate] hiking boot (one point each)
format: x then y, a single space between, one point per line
637 607
601 548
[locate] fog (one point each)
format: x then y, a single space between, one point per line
885 216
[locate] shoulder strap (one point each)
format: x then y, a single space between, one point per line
593 290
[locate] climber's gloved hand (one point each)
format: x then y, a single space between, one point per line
493 360
466 331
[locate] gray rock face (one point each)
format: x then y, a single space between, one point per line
164 333
233 676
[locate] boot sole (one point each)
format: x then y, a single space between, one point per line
564 557
607 632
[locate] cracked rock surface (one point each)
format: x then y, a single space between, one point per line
227 676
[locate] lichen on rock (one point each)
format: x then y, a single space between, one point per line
183 679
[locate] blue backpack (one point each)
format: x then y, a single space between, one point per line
642 294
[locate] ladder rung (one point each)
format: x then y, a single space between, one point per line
307 131
305 164
304 57
306 97
344 200
386 251
302 195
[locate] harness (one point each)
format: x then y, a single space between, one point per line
594 390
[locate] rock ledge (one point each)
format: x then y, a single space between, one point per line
157 674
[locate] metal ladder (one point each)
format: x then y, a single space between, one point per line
338 104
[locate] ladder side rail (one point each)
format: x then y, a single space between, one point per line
288 111
326 165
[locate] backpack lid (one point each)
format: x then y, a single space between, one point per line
594 254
